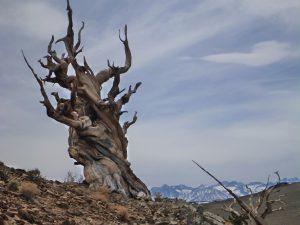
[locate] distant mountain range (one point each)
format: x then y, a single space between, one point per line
209 193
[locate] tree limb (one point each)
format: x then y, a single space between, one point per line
79 37
46 102
69 38
112 71
87 67
125 98
127 124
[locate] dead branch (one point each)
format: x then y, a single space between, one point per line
87 67
46 102
278 176
269 204
252 211
125 98
127 124
79 37
59 68
128 57
235 216
257 218
113 70
122 112
68 40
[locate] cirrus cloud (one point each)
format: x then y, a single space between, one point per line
32 19
262 54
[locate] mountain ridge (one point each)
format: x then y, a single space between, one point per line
209 193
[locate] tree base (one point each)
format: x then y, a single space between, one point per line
103 168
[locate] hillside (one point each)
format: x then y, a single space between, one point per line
27 198
289 216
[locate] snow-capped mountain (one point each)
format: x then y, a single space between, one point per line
209 193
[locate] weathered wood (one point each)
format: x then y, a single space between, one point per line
97 141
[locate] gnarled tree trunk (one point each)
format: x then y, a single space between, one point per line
97 141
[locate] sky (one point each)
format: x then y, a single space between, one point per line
220 85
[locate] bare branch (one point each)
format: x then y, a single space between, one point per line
50 44
79 37
278 176
230 209
69 38
46 102
125 98
127 124
128 57
235 216
112 71
125 41
261 197
79 51
42 64
115 90
122 112
270 204
87 67
56 96
251 198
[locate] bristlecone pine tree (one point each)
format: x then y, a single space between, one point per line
97 141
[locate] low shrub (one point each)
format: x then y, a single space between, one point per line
4 175
34 174
29 190
13 185
158 197
122 212
70 177
102 194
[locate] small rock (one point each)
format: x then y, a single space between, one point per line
23 214
75 212
68 222
62 205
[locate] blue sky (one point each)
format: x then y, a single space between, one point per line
220 85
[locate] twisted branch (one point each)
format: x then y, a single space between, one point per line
51 112
127 124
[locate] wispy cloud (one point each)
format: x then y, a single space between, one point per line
162 30
261 54
283 12
172 142
165 29
34 19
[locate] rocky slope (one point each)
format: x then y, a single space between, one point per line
27 198
210 193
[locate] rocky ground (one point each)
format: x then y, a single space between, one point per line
27 198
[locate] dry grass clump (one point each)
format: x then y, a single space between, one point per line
70 177
122 212
13 185
29 190
34 174
158 197
102 194
99 197
4 175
